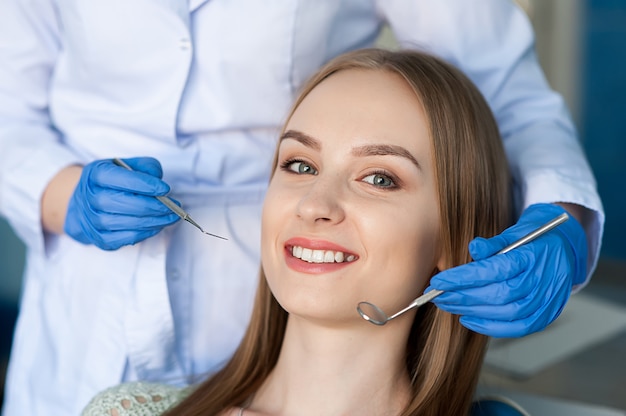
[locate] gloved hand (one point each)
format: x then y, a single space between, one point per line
112 207
524 290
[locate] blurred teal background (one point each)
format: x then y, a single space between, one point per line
603 105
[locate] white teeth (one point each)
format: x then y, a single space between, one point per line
329 257
318 256
321 256
307 255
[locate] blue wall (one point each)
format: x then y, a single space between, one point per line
12 253
603 121
11 264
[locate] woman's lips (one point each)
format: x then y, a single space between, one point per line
316 256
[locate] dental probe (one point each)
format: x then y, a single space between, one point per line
171 204
376 316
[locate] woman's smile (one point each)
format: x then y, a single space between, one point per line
316 256
320 256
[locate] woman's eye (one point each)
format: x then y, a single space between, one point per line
380 180
299 167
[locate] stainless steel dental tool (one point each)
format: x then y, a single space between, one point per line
376 316
171 204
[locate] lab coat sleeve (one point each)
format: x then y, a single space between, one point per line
31 150
492 41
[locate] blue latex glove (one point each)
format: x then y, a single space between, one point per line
524 290
112 207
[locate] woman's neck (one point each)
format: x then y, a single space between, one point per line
337 371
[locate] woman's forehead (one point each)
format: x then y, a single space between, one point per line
371 106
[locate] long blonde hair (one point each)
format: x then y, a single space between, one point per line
443 357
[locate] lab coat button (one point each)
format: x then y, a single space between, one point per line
175 274
185 44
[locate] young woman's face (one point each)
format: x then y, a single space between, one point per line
351 212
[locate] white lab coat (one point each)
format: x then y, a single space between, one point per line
202 86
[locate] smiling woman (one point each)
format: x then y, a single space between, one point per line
389 164
352 184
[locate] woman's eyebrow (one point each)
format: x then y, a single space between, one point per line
366 150
384 150
303 138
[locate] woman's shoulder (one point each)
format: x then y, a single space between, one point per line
135 399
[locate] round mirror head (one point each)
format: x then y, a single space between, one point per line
372 313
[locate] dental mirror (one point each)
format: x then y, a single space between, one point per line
373 314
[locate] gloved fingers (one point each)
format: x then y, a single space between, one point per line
148 165
105 174
499 293
521 324
124 203
573 234
481 248
113 206
494 327
106 222
540 213
553 261
518 309
532 218
484 272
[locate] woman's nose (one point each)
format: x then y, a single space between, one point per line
321 203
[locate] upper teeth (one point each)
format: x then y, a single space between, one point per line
321 256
